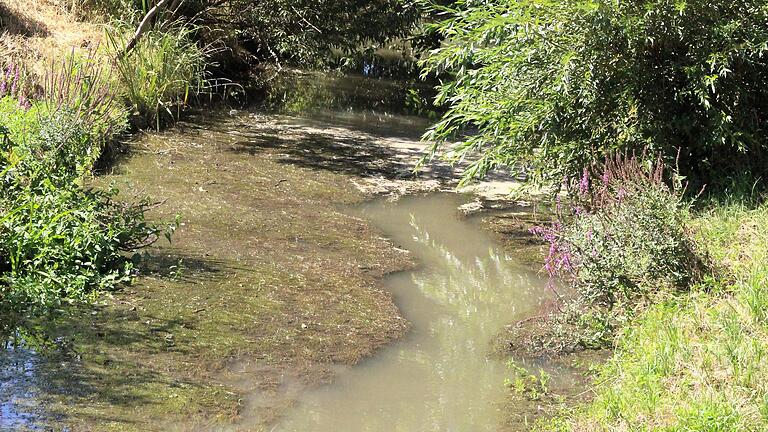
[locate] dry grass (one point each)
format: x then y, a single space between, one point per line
34 32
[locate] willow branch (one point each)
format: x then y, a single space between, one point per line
144 25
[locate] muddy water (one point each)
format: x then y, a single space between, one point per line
439 377
263 249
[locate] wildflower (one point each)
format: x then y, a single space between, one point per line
606 177
584 182
621 194
24 102
15 80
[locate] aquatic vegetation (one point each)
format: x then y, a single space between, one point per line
527 384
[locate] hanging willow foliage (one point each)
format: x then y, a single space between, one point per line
549 87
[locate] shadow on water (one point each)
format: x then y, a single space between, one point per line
69 354
346 124
337 154
362 144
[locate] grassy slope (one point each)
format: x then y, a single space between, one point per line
37 31
697 363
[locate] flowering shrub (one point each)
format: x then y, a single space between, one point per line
12 84
622 239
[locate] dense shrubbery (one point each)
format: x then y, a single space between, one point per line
65 244
304 31
60 241
552 87
309 33
622 242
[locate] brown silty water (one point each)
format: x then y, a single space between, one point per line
439 377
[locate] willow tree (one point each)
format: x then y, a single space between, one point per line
547 87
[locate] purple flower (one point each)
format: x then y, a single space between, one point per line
15 81
24 102
621 194
584 183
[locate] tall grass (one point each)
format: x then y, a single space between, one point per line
81 84
158 77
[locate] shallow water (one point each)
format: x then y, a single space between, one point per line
439 377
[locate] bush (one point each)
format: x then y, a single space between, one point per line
307 33
548 88
65 244
61 242
622 242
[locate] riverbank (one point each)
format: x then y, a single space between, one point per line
695 361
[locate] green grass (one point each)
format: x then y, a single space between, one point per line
698 362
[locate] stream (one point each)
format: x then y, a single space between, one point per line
439 377
278 267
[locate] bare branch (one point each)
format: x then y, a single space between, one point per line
144 25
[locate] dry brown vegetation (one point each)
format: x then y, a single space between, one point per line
33 32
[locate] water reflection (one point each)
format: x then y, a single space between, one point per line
18 372
439 377
308 92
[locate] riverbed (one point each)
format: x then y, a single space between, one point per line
315 283
438 377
